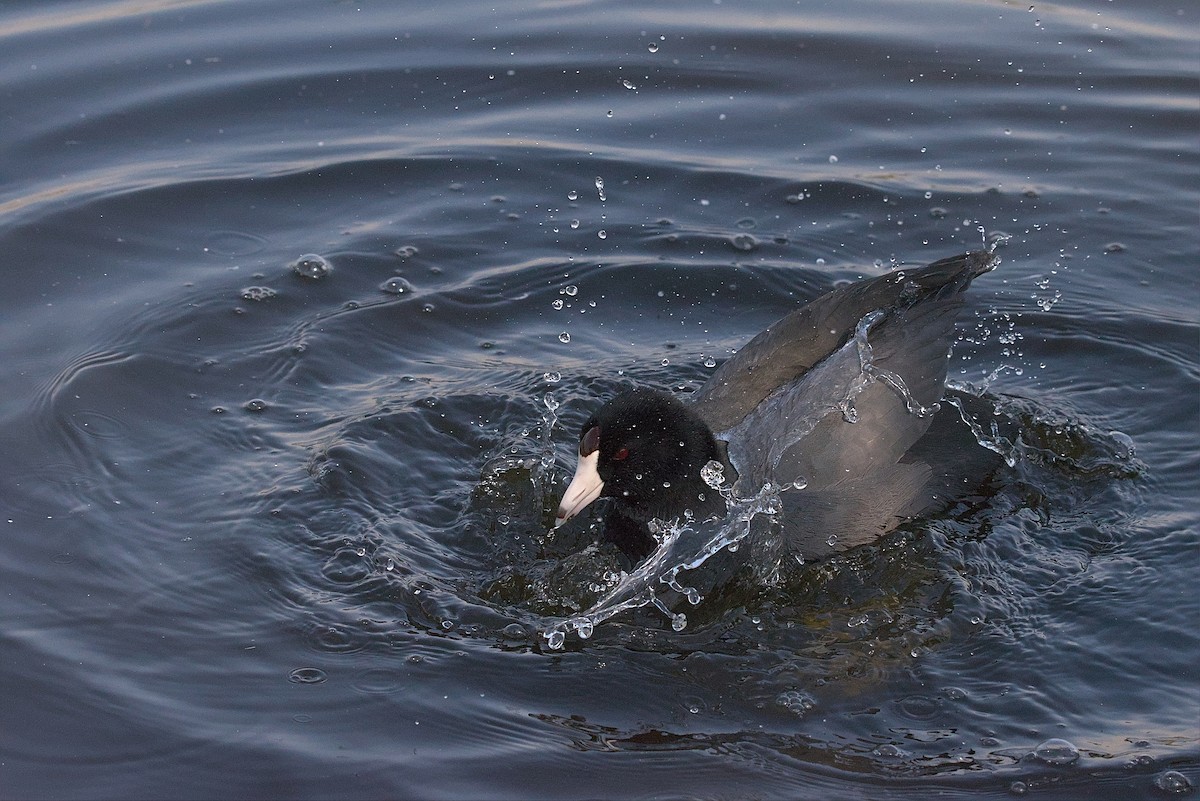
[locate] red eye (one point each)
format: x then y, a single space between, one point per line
620 455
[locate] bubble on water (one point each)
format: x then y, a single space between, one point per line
1114 247
258 293
564 337
405 251
602 234
652 47
572 195
427 308
833 159
800 483
628 84
255 405
709 361
552 377
1056 751
555 639
571 290
890 751
557 304
574 223
744 242
600 187
312 266
1018 788
796 702
1172 781
396 286
307 675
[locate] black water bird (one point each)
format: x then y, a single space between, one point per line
838 400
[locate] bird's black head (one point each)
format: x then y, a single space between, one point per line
644 449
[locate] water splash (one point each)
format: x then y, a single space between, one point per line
683 545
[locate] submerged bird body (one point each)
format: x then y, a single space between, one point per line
838 397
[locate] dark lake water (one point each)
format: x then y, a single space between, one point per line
280 535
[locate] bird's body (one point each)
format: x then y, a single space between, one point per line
840 397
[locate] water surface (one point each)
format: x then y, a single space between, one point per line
273 535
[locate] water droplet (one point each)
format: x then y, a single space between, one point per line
395 286
557 304
600 187
628 84
800 483
710 362
713 473
833 159
310 265
1056 752
571 290
574 223
652 47
602 234
572 195
564 337
428 307
552 377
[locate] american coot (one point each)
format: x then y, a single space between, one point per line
839 399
